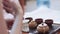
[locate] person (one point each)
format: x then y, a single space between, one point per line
3 27
17 26
22 2
9 7
10 11
13 6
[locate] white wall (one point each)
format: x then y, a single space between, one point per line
55 4
31 5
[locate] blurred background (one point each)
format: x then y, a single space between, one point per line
33 4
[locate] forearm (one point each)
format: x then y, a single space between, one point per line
3 27
22 3
17 26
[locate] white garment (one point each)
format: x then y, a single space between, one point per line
7 15
45 13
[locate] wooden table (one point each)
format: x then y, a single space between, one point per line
24 33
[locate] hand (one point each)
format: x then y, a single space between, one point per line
9 7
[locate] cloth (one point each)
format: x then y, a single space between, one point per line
7 15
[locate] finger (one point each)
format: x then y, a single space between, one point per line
7 4
9 10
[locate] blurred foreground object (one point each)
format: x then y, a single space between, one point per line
32 24
25 25
17 26
42 28
3 27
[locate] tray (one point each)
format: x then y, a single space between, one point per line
54 26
